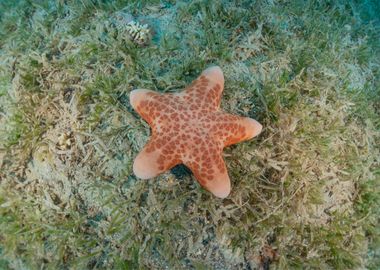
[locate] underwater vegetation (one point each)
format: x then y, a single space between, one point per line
305 192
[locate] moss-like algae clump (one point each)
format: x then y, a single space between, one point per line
305 193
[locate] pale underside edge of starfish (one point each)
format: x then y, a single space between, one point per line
189 128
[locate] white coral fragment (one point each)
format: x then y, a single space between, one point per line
139 33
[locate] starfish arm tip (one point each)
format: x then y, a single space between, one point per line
254 127
215 74
222 192
137 95
142 169
220 186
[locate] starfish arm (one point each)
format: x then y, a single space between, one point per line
156 157
139 98
206 162
153 107
205 92
214 177
231 129
148 104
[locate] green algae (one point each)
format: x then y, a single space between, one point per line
305 192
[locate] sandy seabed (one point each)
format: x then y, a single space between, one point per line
305 193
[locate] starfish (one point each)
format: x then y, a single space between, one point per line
189 128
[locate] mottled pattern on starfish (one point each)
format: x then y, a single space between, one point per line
189 128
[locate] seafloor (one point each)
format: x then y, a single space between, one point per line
305 192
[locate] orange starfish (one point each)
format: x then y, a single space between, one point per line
189 128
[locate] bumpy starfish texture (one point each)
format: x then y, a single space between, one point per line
189 128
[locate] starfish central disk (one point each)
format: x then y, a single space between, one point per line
188 128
